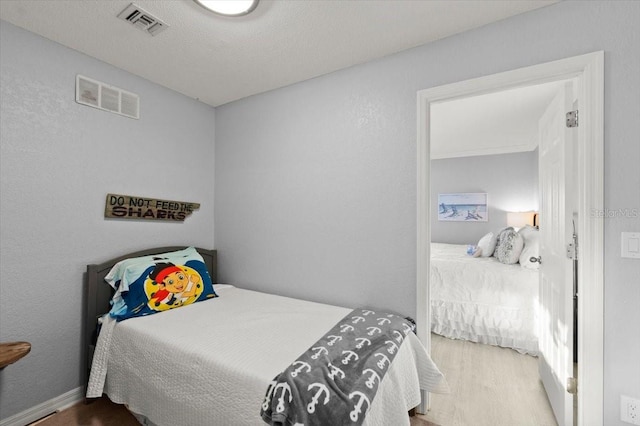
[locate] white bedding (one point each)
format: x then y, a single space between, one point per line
483 300
210 363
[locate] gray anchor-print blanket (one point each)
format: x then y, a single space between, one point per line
334 382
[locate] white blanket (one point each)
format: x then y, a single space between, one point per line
211 362
483 300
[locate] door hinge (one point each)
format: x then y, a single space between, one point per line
571 251
572 118
572 385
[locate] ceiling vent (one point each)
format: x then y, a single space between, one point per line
141 19
108 98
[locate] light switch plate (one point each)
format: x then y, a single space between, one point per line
631 245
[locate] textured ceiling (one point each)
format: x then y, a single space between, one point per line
219 60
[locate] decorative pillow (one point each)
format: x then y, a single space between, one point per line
526 230
474 251
150 284
531 248
487 244
509 246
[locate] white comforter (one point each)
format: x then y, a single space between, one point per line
483 300
210 363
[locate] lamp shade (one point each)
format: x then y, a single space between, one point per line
520 219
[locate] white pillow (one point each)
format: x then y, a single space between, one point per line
509 246
531 247
526 230
487 244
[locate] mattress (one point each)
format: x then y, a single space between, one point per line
211 362
483 300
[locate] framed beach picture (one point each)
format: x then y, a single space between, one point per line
463 207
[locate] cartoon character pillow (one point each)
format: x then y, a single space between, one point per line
151 284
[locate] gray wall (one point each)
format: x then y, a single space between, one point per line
510 180
58 161
316 182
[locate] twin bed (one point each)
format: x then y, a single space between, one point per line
216 361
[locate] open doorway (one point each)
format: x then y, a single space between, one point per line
488 147
587 69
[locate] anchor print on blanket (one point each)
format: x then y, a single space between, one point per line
350 355
267 398
319 351
286 391
322 389
373 377
392 347
336 380
302 367
346 327
354 415
362 341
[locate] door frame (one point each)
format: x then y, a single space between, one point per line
589 173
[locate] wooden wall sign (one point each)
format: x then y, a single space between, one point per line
132 207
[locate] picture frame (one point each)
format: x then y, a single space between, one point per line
463 207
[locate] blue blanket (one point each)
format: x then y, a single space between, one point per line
335 381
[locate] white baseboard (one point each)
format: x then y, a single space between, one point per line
51 406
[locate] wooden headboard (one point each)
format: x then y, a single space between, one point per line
99 292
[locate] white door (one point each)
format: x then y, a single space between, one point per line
556 271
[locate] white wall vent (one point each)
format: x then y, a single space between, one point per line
141 19
109 98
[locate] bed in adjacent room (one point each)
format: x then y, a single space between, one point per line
237 356
484 300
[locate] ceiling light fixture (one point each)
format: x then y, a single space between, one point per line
229 7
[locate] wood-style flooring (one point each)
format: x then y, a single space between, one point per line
490 386
101 412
